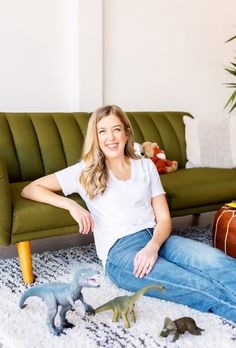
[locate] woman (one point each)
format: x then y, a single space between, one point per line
130 219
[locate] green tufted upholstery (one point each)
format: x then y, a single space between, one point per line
198 190
36 144
165 128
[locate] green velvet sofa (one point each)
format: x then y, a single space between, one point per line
36 144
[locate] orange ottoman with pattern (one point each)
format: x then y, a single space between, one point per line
224 229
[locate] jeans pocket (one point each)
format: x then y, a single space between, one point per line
149 231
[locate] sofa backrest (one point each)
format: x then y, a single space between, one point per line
37 144
165 128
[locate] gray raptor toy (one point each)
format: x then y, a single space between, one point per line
64 295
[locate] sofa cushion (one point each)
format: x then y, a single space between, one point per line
32 219
198 187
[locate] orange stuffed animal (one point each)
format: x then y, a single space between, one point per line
152 150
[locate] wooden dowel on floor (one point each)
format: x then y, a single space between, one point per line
195 220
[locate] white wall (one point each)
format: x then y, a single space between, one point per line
90 48
38 55
168 55
64 55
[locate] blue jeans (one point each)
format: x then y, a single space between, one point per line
193 273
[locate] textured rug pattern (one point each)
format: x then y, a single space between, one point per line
27 327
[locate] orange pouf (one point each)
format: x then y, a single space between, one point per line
224 230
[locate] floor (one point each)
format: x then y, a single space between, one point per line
55 243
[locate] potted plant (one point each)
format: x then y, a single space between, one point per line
232 70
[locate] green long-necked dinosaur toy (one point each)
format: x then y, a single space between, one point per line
124 305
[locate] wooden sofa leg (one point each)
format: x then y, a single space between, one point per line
25 261
195 220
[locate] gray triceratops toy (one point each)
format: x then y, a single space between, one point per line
175 327
64 295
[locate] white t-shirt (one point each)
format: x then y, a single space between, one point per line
125 206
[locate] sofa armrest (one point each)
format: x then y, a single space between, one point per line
5 205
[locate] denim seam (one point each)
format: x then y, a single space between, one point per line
179 286
206 274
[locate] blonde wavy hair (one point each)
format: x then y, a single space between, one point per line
95 174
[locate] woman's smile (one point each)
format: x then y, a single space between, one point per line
113 147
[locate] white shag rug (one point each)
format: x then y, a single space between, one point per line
27 328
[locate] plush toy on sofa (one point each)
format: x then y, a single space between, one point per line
152 150
138 149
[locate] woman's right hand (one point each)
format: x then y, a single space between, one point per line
81 216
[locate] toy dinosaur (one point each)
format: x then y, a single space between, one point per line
124 305
179 326
64 295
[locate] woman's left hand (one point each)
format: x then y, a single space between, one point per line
145 259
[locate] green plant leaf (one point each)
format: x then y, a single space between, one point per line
233 107
230 84
232 38
231 70
232 100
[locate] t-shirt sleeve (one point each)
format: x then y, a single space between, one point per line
156 185
69 178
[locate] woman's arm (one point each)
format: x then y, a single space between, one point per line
44 190
146 258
